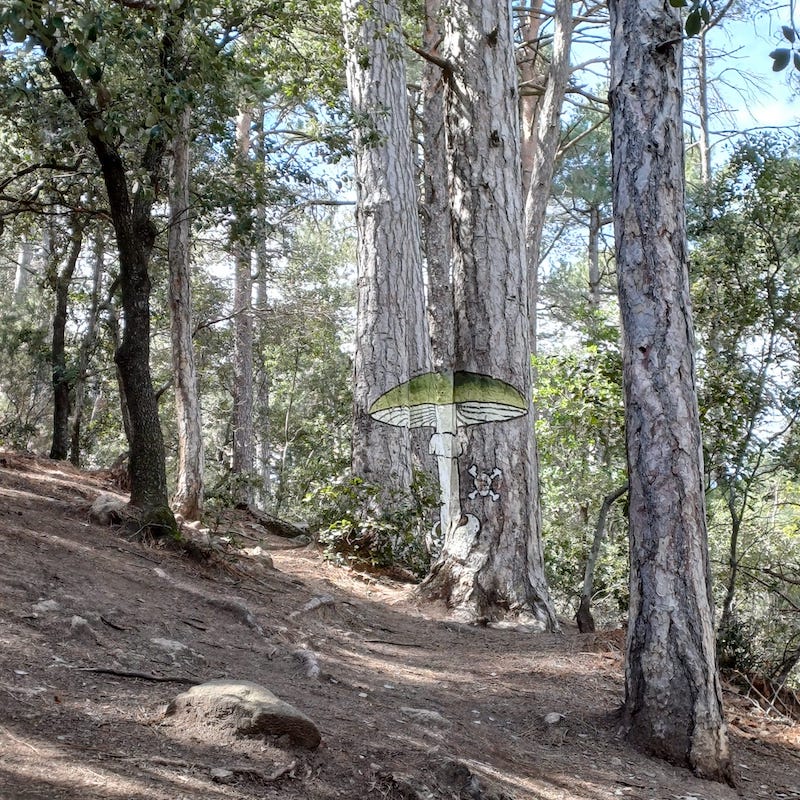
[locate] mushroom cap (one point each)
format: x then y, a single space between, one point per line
477 398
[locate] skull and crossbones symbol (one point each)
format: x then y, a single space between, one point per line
483 483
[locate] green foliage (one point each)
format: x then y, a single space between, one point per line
698 16
745 276
25 390
358 523
579 428
783 56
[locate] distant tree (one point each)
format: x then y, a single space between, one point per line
673 697
188 496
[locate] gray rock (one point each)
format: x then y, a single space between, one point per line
46 606
249 708
424 715
107 510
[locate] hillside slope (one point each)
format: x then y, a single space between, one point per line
98 633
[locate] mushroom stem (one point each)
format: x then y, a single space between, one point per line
446 447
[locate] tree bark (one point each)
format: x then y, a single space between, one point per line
391 337
188 497
62 382
436 208
491 564
673 698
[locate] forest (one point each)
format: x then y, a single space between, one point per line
250 249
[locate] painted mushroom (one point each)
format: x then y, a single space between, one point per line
447 402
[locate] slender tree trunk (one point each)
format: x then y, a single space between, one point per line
87 346
264 449
704 139
243 457
22 276
546 137
584 616
62 382
594 258
491 564
673 698
188 497
391 339
436 208
533 78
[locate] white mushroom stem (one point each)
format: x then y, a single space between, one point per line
446 447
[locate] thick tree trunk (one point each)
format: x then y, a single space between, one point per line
188 497
243 457
491 564
62 382
673 698
391 337
436 208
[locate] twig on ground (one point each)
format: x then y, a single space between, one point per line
144 676
19 741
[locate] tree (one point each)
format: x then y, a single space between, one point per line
63 380
491 562
188 497
673 697
70 55
545 135
391 335
243 458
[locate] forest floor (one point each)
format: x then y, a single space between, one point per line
410 705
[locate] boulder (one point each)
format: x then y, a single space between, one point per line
250 709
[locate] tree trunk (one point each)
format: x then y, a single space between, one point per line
673 698
704 139
584 616
491 564
546 137
22 276
87 345
188 497
243 457
264 438
391 340
436 208
62 382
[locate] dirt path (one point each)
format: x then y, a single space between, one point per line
410 705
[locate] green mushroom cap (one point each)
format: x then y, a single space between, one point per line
477 398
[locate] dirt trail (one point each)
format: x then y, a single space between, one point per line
98 633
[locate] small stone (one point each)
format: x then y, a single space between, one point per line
424 716
45 606
553 718
170 645
220 775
